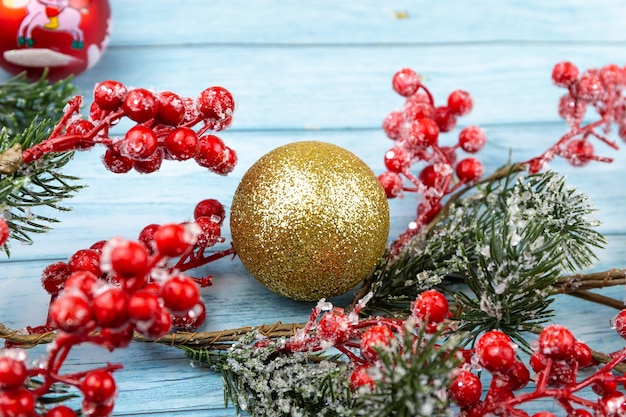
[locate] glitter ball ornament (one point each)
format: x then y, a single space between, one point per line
309 220
66 36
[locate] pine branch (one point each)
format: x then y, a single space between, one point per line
28 112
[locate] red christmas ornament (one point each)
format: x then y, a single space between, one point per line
66 36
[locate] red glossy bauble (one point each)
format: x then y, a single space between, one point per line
66 36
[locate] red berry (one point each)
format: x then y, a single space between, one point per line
612 76
228 162
18 402
216 103
71 313
96 112
431 306
115 162
117 338
469 169
570 109
173 240
139 142
460 102
397 160
544 414
376 337
444 119
361 378
92 409
4 231
150 164
109 95
335 327
405 82
128 258
583 355
210 151
490 337
210 234
557 342
518 376
61 411
179 293
428 210
579 152
159 326
466 389
423 132
85 260
190 320
140 105
81 127
497 356
564 74
605 385
171 108
83 281
110 307
392 125
182 143
472 139
146 237
210 208
143 305
620 323
98 386
13 373
392 184
433 175
54 276
589 88
418 106
538 361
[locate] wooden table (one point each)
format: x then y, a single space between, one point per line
318 70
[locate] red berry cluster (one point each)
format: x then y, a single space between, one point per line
556 361
163 128
106 293
415 131
600 89
361 340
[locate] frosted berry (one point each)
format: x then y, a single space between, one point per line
71 313
472 139
80 127
418 106
228 161
98 387
397 160
83 281
432 175
361 378
469 169
109 95
431 306
115 162
444 119
564 74
497 356
85 260
620 323
579 152
54 276
583 354
466 389
612 76
181 143
460 102
190 320
139 142
557 342
140 105
589 88
151 164
159 326
4 231
405 82
128 258
210 208
210 151
180 293
171 108
392 125
518 376
13 373
143 305
376 337
18 402
110 307
216 103
335 327
423 132
392 184
172 240
210 232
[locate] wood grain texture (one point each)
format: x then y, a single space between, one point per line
318 70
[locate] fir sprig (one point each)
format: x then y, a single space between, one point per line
28 112
509 242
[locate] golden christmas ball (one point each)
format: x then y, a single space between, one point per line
309 220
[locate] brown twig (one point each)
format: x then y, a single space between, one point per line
594 280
